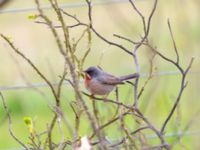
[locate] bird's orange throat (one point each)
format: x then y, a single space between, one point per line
87 79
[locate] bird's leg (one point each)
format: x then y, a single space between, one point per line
92 96
117 94
105 96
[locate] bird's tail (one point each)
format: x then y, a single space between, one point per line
128 77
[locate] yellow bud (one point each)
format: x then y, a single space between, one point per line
29 123
28 120
32 17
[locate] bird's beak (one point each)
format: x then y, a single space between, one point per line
86 75
82 73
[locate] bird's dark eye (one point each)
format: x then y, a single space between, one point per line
90 72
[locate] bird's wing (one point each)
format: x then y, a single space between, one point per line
109 79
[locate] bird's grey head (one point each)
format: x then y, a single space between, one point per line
93 71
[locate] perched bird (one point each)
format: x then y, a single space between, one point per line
99 82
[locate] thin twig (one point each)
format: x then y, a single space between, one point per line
125 130
125 38
132 133
140 14
108 123
149 77
32 65
183 86
174 44
109 101
159 134
185 129
10 123
150 18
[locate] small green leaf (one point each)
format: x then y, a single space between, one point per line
33 17
29 123
28 120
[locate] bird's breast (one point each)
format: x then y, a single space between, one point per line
97 88
86 82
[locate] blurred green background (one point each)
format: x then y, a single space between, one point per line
37 42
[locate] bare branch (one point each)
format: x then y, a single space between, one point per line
164 57
150 17
10 123
89 11
125 38
125 130
61 82
110 101
149 77
108 123
32 65
183 86
109 42
135 58
174 43
186 128
98 34
132 133
140 14
137 46
160 136
189 65
50 25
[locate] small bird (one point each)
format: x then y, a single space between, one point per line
99 82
